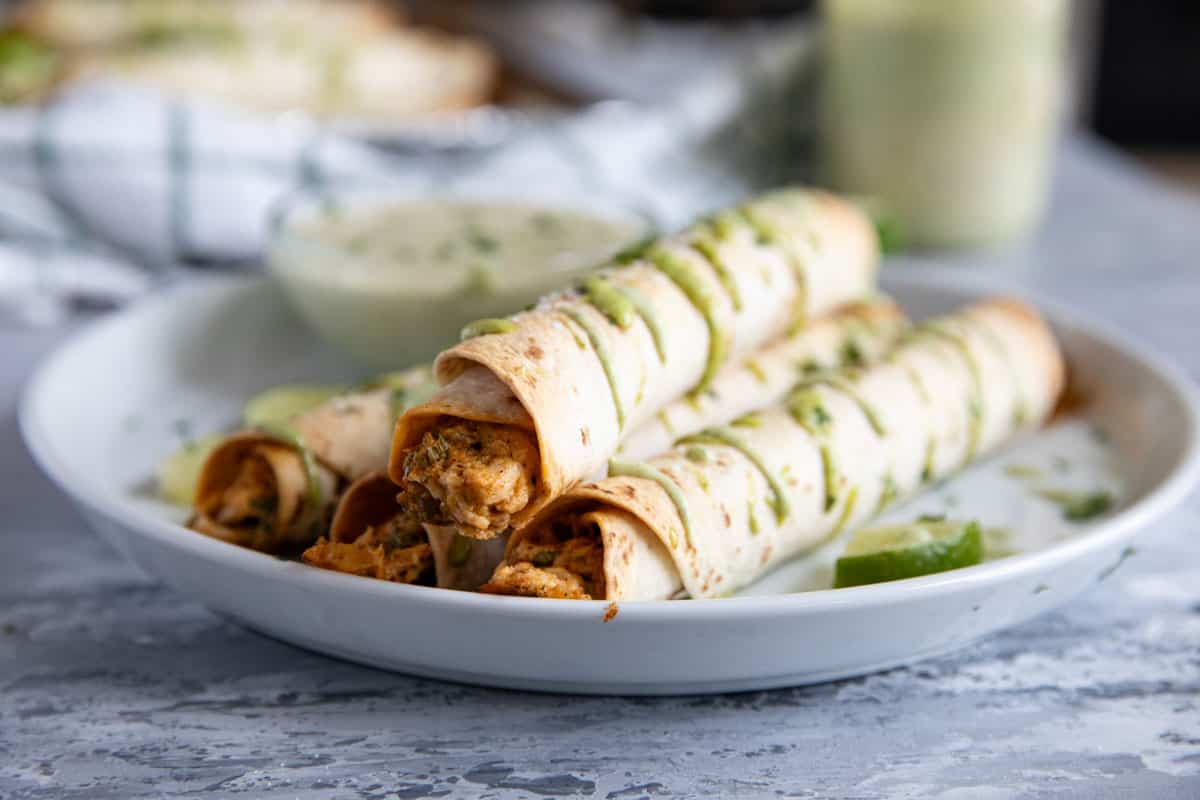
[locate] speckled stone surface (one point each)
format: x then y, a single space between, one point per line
112 687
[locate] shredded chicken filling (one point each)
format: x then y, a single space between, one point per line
563 560
246 512
479 474
393 551
251 498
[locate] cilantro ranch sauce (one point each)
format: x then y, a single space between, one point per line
602 355
640 469
975 399
684 276
807 410
724 435
397 281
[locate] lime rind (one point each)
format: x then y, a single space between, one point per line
278 405
877 555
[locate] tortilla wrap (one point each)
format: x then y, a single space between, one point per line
363 541
275 490
525 414
749 496
858 333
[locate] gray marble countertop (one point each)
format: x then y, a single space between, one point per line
111 686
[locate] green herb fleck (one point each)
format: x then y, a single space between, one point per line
1079 506
1023 471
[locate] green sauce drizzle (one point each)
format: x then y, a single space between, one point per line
975 401
640 469
888 495
809 413
730 438
753 517
707 248
839 385
602 354
313 496
766 233
847 510
485 327
927 466
696 453
684 276
751 420
665 421
725 225
579 340
756 370
641 304
608 300
1021 404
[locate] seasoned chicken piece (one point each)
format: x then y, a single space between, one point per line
559 561
479 473
252 495
261 505
526 580
391 552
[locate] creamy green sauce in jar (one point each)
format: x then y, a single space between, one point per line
395 282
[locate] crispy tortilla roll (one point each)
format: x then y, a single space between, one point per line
275 490
727 504
373 536
856 334
536 403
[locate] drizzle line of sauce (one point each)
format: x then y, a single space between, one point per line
887 496
1021 402
640 469
728 437
847 511
707 248
641 305
839 385
766 233
807 411
602 355
608 300
684 276
486 327
756 369
975 401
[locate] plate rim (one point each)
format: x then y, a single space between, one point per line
1159 500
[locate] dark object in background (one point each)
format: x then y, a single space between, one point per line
713 9
1146 91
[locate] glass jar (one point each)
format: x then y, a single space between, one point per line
944 112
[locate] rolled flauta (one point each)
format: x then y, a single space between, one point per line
372 536
370 523
526 412
275 490
726 505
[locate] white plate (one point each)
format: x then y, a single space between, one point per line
101 412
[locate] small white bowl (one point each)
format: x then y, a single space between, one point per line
384 311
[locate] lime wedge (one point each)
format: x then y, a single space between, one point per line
892 552
179 472
278 405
